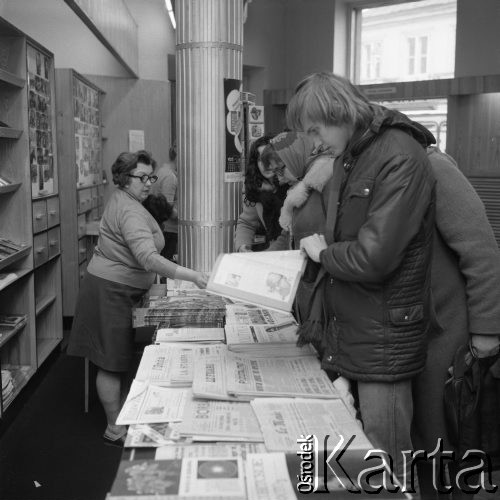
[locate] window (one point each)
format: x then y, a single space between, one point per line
371 58
417 55
404 41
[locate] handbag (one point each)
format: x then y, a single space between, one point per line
472 402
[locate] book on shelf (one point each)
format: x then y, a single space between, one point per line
268 279
9 322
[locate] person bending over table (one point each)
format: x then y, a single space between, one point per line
123 267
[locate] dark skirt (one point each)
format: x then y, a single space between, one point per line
102 327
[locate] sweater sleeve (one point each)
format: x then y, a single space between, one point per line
401 196
246 226
462 222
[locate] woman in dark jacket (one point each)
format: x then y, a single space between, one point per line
377 253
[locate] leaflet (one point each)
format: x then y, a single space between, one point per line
146 404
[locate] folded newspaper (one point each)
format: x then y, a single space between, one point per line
269 279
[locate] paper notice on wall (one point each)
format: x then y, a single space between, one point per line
135 140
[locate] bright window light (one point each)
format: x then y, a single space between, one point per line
170 10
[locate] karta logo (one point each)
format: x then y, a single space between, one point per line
371 471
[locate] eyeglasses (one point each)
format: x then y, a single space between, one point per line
145 178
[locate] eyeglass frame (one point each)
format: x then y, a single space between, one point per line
145 178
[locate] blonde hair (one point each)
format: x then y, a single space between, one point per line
328 99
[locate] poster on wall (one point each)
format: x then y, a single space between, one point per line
87 133
233 112
40 122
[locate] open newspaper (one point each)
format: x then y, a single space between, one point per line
205 420
250 377
269 279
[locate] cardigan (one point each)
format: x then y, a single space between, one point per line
129 241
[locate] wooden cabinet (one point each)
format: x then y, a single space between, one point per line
30 270
79 146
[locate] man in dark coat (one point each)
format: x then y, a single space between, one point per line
377 253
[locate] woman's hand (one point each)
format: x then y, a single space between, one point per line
313 245
201 279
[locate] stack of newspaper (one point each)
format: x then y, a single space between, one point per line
228 421
193 308
224 375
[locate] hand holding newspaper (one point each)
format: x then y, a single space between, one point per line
269 279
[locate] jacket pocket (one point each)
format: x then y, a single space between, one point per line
406 315
354 207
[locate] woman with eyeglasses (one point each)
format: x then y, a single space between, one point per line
262 201
124 265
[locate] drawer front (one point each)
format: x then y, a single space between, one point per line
40 249
54 241
39 216
82 249
53 217
81 225
84 200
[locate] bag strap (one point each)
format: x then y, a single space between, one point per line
333 200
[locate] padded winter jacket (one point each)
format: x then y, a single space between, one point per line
378 294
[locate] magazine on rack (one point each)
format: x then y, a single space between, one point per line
268 279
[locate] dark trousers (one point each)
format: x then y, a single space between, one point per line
170 248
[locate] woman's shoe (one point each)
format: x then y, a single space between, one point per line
113 439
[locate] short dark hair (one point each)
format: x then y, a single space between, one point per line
158 206
126 162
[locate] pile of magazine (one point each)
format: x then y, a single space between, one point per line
7 387
224 420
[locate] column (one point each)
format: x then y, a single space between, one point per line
209 45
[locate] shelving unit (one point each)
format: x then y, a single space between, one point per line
79 144
28 162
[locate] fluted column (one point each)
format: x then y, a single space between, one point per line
209 44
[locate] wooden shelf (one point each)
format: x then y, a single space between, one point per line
19 274
10 133
21 374
44 348
43 303
14 257
11 79
13 186
5 337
